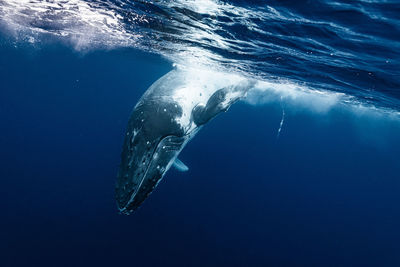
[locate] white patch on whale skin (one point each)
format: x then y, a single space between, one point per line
197 86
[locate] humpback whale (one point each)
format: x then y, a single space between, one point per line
165 118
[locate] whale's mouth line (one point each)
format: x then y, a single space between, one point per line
125 208
136 190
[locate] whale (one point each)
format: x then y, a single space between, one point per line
168 115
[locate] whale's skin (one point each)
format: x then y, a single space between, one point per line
165 118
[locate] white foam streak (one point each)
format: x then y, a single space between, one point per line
85 25
281 124
296 95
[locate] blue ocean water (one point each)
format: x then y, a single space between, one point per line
304 172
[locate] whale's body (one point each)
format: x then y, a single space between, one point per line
166 117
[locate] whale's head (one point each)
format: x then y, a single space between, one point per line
152 142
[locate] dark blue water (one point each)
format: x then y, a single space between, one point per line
323 193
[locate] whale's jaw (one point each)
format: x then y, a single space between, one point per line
135 183
152 142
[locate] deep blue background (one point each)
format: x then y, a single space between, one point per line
326 193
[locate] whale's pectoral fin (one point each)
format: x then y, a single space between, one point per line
180 166
220 101
201 114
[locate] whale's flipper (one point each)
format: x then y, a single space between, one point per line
180 166
220 101
201 114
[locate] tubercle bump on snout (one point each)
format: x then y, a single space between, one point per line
131 196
